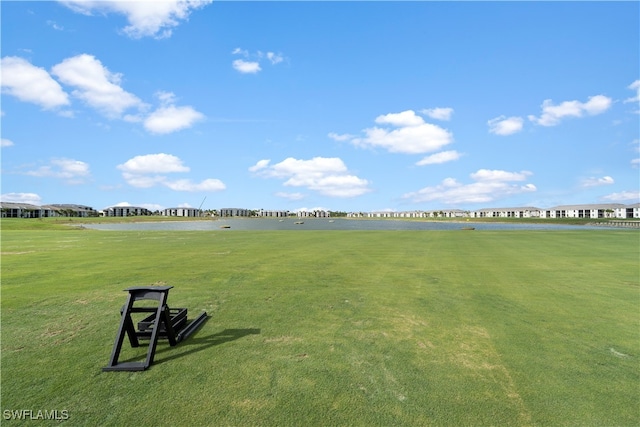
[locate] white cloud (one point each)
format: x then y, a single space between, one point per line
411 134
153 163
151 18
441 157
274 58
151 169
505 126
499 175
340 138
238 51
327 176
260 165
439 113
187 185
30 198
95 85
171 118
246 67
253 60
553 114
405 118
636 87
4 142
635 162
489 185
73 171
55 26
623 196
32 84
594 182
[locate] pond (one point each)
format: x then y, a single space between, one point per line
230 224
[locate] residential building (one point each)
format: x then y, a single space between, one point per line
187 212
225 212
126 211
270 213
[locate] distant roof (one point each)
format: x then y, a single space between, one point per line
591 206
521 208
11 205
70 206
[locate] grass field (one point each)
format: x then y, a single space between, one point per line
339 328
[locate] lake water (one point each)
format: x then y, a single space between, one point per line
325 224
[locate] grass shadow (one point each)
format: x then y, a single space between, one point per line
196 344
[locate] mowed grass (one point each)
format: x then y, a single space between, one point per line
340 328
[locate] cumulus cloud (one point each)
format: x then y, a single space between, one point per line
262 164
150 170
406 132
635 86
246 67
594 182
4 142
438 113
30 198
31 84
340 138
154 163
251 63
489 185
552 114
169 118
327 176
95 85
441 157
623 196
274 58
187 185
150 18
505 125
72 171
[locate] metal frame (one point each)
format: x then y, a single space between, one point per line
163 322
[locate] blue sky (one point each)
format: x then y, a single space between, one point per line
345 106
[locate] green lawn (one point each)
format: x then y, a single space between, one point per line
340 328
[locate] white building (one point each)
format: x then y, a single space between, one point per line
314 214
272 214
126 211
606 210
519 212
235 212
629 211
186 212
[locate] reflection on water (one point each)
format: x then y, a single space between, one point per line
230 224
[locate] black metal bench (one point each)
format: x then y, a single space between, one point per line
163 322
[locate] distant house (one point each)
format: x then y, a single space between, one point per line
26 210
629 211
272 213
606 210
23 210
126 211
520 212
314 214
226 212
186 212
71 210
